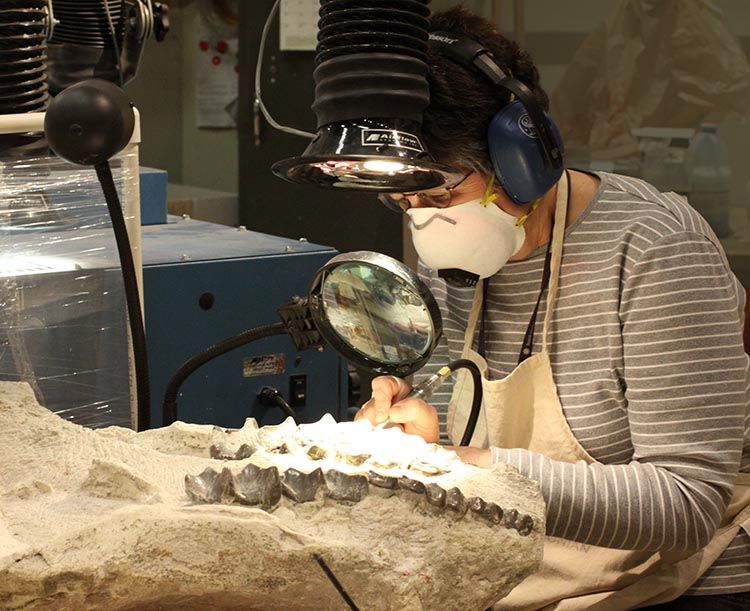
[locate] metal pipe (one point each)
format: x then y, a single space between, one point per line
25 122
22 123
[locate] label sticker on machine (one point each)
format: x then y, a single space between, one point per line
267 365
391 137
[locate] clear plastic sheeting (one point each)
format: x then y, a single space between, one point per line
63 323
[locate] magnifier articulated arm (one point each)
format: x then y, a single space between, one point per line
300 325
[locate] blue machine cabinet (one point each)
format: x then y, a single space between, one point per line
204 283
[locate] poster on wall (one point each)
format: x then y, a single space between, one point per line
217 68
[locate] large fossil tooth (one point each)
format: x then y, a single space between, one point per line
476 504
256 486
456 502
302 487
382 481
210 486
411 484
525 525
509 518
344 487
492 512
435 495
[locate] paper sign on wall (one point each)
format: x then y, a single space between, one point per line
298 25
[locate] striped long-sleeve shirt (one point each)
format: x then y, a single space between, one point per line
647 356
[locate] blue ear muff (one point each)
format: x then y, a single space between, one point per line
517 155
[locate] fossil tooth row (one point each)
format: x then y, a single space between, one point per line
264 488
251 486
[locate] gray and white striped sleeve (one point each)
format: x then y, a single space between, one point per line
685 383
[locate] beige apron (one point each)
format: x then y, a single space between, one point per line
523 411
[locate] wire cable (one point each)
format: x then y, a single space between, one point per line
258 66
115 44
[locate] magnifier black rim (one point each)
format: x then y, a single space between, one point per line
400 270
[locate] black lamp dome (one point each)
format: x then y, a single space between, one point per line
89 122
371 90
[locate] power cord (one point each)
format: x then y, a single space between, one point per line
258 99
271 397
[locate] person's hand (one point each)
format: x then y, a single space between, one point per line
480 457
414 416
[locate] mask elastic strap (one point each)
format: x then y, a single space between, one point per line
490 196
520 222
489 193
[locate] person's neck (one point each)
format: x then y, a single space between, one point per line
538 225
541 221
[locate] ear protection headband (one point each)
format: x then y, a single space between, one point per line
524 143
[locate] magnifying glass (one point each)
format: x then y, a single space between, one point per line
372 310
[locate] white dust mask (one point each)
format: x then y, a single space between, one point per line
476 237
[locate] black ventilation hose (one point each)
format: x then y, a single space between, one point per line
370 60
169 409
476 402
132 295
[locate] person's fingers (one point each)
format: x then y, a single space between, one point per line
417 418
410 410
385 391
362 413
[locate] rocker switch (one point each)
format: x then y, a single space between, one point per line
298 390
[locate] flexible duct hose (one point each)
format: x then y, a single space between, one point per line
24 25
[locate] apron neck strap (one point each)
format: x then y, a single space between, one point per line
558 235
476 310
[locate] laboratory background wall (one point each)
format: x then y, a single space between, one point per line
237 161
201 162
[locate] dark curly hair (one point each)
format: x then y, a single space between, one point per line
462 102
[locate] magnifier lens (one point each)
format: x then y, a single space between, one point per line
377 314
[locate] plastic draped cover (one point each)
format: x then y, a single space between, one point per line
63 324
650 64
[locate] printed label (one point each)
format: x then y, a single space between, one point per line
391 137
266 365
